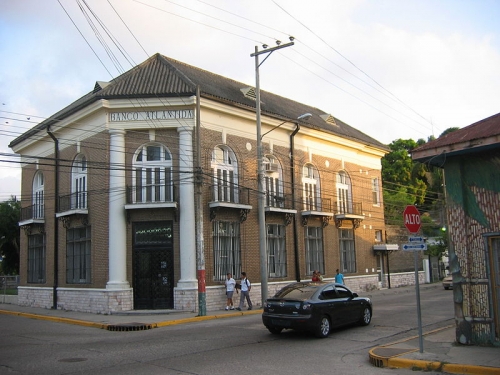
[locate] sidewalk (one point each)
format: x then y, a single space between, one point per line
440 352
138 320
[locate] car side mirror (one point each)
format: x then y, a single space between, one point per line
354 295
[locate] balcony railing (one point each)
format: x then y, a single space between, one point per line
317 204
278 201
33 212
151 194
73 202
230 194
349 208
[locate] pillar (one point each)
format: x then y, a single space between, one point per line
117 216
187 238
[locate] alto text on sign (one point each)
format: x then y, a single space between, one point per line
411 219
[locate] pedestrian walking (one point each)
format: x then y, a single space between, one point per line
245 292
339 278
230 287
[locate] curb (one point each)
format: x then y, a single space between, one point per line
130 326
392 360
56 319
206 317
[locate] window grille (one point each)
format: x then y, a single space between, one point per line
347 250
276 250
36 258
314 250
226 243
78 246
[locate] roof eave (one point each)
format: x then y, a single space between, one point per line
430 155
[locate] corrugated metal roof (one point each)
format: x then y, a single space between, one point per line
160 76
489 127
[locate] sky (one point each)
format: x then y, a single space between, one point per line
393 69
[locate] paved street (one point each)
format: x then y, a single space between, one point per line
223 346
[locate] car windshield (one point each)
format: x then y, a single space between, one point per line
297 291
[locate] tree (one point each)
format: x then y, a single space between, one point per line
441 246
394 204
404 181
10 235
449 130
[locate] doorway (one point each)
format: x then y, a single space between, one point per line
153 265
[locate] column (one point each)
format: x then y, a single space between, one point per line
187 240
117 217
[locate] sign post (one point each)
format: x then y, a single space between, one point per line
411 219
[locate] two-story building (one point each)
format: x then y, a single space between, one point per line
118 186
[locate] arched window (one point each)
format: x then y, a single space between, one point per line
311 188
152 174
273 182
344 193
38 196
225 174
79 183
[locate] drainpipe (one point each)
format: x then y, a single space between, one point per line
56 224
292 179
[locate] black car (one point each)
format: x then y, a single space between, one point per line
315 307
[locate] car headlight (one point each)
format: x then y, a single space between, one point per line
306 306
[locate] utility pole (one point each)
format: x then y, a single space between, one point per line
260 173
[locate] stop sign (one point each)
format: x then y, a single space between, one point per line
411 218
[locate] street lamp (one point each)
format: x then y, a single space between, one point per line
304 117
260 172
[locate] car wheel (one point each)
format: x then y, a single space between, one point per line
323 328
366 318
446 287
275 330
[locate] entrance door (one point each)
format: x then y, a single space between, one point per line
494 245
153 265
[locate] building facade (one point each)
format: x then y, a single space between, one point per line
131 190
470 158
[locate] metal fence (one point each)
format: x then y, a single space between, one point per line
9 283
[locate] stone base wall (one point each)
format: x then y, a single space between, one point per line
35 297
97 301
405 279
216 296
360 284
103 301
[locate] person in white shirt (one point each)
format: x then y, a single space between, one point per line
245 292
230 286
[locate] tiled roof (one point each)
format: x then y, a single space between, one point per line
160 76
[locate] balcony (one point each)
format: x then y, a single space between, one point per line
281 204
34 214
73 204
349 211
151 196
314 206
228 196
